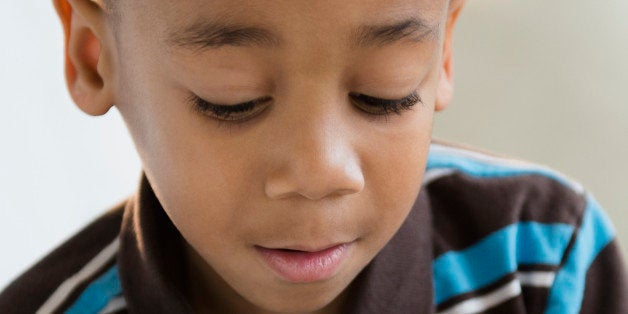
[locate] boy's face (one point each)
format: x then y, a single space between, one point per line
311 165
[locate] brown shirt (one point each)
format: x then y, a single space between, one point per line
485 234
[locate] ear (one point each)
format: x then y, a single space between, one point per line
445 88
88 67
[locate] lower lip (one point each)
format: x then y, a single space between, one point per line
301 266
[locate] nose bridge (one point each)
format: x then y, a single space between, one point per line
315 150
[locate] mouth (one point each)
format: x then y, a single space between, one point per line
302 264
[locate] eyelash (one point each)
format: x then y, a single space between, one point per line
388 106
223 113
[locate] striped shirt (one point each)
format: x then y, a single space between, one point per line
486 234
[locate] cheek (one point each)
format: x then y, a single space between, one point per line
395 170
398 181
198 179
202 184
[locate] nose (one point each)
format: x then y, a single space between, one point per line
316 158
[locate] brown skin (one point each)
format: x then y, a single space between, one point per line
311 170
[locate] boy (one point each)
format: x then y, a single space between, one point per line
289 167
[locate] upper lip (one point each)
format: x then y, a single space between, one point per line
306 248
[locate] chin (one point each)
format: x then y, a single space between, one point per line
308 303
296 307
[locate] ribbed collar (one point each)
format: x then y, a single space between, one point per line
151 263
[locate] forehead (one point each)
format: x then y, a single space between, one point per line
272 23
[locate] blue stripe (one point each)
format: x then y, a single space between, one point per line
98 293
479 168
497 255
595 233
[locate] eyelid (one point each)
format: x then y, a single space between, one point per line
222 114
379 100
232 106
381 108
250 109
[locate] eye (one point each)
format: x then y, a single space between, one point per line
242 112
384 107
232 113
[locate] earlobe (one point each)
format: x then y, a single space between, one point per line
444 92
445 89
87 66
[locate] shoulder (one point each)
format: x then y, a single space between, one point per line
474 194
66 270
505 227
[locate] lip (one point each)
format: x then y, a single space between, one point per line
303 264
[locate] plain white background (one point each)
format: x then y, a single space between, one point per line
59 168
541 80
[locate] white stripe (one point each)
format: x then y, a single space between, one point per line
482 303
511 163
64 290
435 174
114 305
543 279
514 163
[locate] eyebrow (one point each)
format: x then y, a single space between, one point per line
413 29
213 35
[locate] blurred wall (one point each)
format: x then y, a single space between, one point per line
59 168
546 81
541 80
